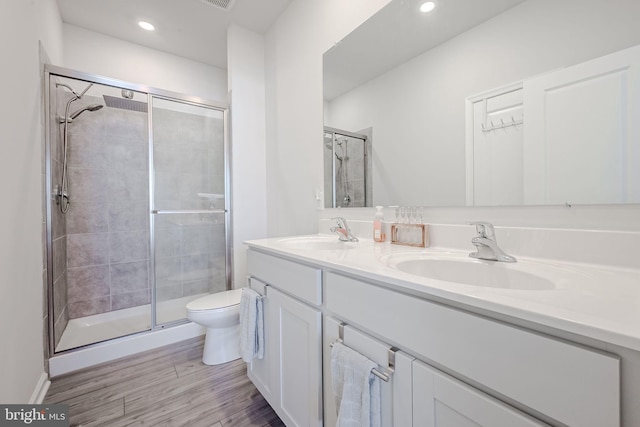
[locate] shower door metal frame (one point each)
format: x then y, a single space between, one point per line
151 92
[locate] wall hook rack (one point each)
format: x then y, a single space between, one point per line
501 125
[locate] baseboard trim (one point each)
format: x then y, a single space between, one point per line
37 397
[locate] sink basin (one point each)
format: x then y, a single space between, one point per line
469 271
316 243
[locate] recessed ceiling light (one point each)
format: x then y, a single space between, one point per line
146 26
427 6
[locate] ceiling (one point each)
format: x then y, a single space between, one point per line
192 29
398 33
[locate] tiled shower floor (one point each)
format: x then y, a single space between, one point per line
105 326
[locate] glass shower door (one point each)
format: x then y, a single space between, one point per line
189 214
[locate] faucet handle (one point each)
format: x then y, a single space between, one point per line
340 221
484 229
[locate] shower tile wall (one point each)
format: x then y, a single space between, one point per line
107 226
190 248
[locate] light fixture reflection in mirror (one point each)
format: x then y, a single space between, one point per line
417 98
427 7
146 26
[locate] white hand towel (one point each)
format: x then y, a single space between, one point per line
251 325
355 388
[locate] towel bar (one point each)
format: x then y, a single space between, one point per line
382 375
261 297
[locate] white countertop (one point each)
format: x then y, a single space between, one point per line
595 301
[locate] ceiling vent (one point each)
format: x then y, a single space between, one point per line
220 4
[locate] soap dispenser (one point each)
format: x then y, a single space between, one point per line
378 233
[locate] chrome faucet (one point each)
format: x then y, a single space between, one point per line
342 229
487 245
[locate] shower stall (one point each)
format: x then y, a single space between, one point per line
136 201
347 169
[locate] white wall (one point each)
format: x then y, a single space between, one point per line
417 110
50 29
99 54
294 129
294 48
22 24
247 100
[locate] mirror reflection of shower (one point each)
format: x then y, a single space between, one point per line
346 166
61 191
340 148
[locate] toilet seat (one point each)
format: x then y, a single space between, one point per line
216 301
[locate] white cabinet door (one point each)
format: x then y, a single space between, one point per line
442 401
296 330
261 371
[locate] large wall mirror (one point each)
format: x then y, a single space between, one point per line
492 102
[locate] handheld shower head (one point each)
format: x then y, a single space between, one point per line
69 119
92 107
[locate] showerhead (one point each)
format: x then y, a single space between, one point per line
92 107
334 143
125 103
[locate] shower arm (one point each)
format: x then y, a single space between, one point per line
75 94
70 89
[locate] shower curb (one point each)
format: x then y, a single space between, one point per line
75 360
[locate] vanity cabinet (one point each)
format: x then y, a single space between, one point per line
290 374
559 382
452 367
415 393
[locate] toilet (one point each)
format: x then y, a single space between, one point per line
220 314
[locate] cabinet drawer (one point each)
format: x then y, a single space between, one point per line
571 384
299 280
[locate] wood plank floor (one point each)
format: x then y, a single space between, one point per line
169 386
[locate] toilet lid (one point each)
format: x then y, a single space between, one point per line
217 300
